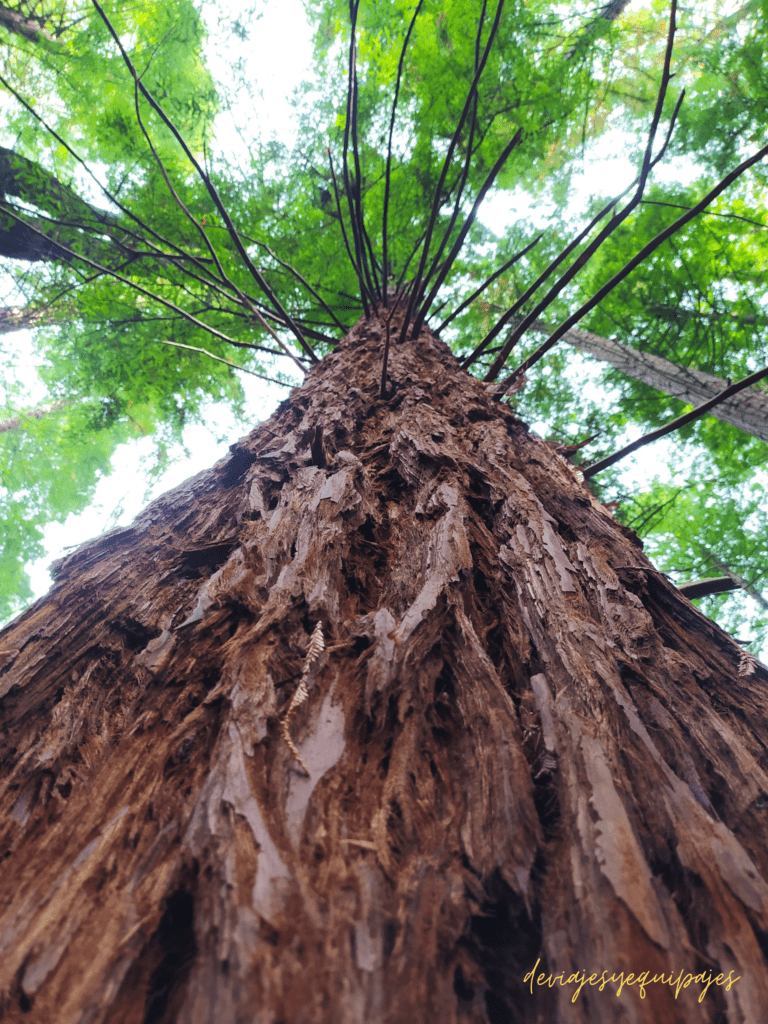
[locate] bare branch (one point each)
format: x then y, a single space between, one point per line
416 291
738 581
489 281
550 269
302 279
462 180
456 247
227 362
212 191
387 178
109 195
352 259
707 587
352 190
675 424
648 163
158 298
627 269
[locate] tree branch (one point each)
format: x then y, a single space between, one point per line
416 290
387 177
675 424
212 191
227 362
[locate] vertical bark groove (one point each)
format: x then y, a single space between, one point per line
522 742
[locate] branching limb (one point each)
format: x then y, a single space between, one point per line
211 189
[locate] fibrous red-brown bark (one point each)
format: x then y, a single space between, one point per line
523 743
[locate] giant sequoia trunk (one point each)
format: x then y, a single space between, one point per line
522 743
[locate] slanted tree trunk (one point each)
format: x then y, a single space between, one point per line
523 744
23 318
31 27
748 410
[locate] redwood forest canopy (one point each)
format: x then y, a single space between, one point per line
157 261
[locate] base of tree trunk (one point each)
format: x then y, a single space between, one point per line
525 750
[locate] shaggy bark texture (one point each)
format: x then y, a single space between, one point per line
522 743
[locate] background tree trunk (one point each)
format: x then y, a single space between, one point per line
748 410
523 744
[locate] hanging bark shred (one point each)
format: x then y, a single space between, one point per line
315 649
522 743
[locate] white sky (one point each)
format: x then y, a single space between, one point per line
278 51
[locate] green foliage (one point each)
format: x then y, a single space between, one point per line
49 467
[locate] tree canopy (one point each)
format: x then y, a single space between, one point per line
128 234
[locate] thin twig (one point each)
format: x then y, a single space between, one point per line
414 250
174 194
387 179
675 424
711 213
737 580
227 362
489 281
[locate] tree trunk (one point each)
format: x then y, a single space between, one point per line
70 222
748 410
524 746
38 413
24 318
31 28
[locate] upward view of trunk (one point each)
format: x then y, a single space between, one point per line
524 748
748 410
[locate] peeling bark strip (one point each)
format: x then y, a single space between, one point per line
522 743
